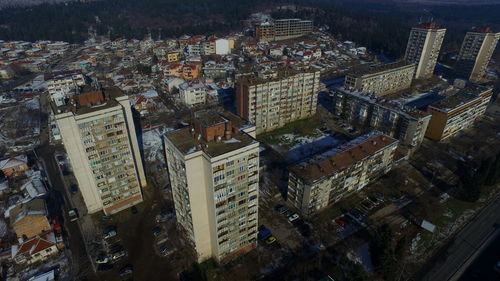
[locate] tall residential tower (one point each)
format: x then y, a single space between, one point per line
98 133
475 54
423 48
214 173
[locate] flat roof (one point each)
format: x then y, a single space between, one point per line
110 101
282 73
460 97
186 143
364 70
338 159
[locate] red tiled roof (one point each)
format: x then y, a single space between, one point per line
34 246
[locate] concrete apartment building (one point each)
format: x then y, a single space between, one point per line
457 111
214 172
326 178
381 79
283 29
98 133
62 85
193 93
271 100
423 48
365 111
475 53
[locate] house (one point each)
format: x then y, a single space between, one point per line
192 93
34 187
29 219
144 102
14 167
173 83
36 249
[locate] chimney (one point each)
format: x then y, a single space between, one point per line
227 131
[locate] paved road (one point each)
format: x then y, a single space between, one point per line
467 243
482 269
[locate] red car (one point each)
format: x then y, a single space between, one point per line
340 222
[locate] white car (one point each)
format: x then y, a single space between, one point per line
102 260
293 217
109 234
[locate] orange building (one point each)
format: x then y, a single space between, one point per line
29 219
14 167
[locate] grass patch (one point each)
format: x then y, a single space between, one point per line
304 127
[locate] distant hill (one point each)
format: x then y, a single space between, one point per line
380 25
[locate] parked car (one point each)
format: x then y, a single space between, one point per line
74 188
109 232
102 260
134 210
156 231
270 240
293 217
118 255
126 270
357 214
281 209
73 214
263 234
341 222
105 266
164 251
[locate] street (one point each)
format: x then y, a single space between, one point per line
467 242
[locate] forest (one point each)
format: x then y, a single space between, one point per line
382 26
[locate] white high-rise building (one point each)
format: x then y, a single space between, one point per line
475 53
423 48
214 173
98 133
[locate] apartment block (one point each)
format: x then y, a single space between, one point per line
475 53
423 48
457 111
99 135
366 111
272 99
214 172
381 79
326 178
62 85
283 29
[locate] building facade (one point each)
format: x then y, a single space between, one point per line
381 79
214 173
475 53
283 29
99 135
366 111
62 85
328 177
271 101
423 48
457 111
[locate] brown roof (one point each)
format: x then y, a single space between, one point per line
34 246
90 98
314 170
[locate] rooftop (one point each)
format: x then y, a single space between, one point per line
386 103
461 97
187 141
90 101
281 73
364 70
338 159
